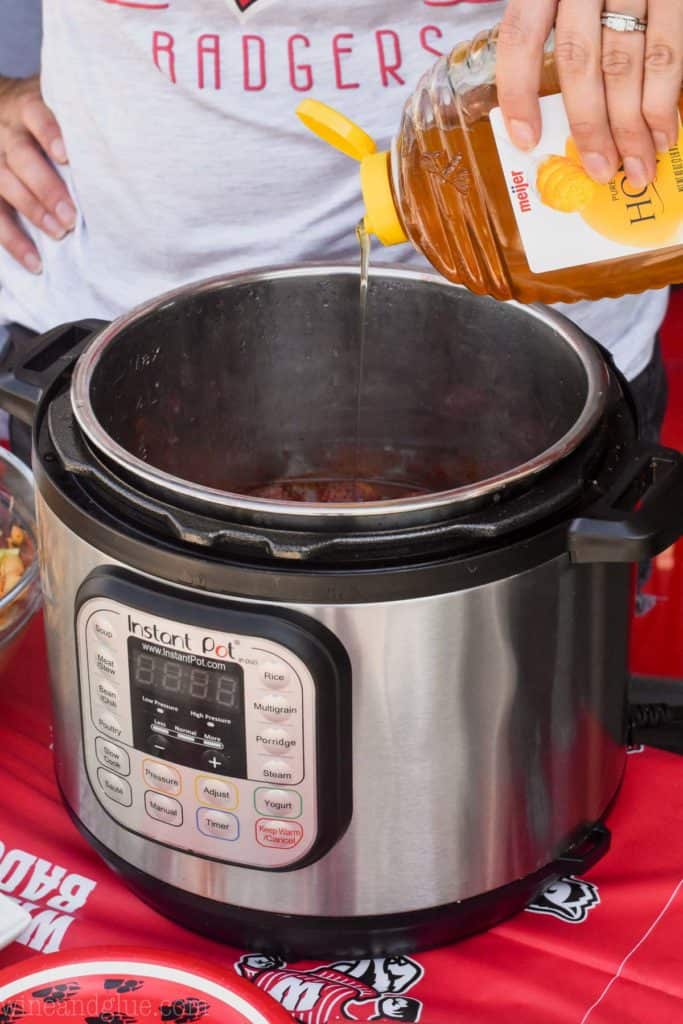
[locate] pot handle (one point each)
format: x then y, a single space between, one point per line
640 516
26 371
586 853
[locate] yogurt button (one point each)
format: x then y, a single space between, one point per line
278 803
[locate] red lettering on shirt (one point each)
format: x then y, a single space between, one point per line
389 70
301 85
434 30
259 82
338 51
209 47
163 42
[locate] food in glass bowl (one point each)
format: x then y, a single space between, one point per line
19 578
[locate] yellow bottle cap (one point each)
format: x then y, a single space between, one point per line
381 215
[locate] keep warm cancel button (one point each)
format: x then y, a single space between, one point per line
278 835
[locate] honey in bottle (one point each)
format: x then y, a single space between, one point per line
531 226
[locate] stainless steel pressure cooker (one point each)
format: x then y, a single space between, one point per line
313 724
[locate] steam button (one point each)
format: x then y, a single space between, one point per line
278 772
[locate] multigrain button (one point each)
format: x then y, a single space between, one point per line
217 793
107 694
276 674
164 808
103 628
275 707
218 824
105 661
108 723
161 776
116 789
280 835
112 756
277 771
276 740
278 803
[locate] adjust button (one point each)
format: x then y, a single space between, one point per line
161 776
276 740
280 835
218 824
108 723
278 803
107 694
217 793
164 808
116 789
112 756
276 674
275 707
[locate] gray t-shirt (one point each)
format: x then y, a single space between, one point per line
20 35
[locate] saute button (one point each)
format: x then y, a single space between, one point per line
218 824
277 771
103 628
276 674
275 740
106 722
112 756
105 661
278 803
217 793
275 707
116 789
164 808
280 835
161 776
107 694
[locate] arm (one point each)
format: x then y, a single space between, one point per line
28 183
621 89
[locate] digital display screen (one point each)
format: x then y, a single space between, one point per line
186 683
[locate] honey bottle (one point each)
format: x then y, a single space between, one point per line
531 226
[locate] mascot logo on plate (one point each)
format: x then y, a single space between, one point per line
569 899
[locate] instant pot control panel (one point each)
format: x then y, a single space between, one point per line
218 729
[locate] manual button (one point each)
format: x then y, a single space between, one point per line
116 789
112 756
164 808
161 776
218 824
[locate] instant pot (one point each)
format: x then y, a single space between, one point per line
339 727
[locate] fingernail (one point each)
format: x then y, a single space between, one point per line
58 151
66 212
521 134
634 168
52 227
598 167
662 143
32 263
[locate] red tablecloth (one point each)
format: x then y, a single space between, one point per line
601 950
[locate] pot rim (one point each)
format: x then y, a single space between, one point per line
595 368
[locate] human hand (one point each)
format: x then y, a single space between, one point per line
28 183
621 89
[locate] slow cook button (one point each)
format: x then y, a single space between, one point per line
217 793
107 694
277 771
112 756
164 808
116 789
161 776
218 824
275 707
276 740
278 803
105 661
108 723
276 674
278 835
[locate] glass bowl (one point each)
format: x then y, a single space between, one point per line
18 605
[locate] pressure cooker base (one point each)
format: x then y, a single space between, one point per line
298 937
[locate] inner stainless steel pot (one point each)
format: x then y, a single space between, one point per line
223 387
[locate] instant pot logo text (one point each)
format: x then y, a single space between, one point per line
50 893
181 641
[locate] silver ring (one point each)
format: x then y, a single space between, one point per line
622 22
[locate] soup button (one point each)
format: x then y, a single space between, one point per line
278 835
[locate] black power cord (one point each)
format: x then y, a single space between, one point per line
656 725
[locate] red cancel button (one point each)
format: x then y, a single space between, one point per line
280 835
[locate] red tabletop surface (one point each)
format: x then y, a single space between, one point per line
600 950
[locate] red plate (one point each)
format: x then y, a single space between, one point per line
111 985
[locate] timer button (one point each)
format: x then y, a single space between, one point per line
164 808
161 776
276 740
108 723
218 824
107 694
112 756
116 789
217 793
103 628
278 803
276 674
105 661
278 835
275 707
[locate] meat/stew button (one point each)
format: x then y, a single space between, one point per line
280 835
